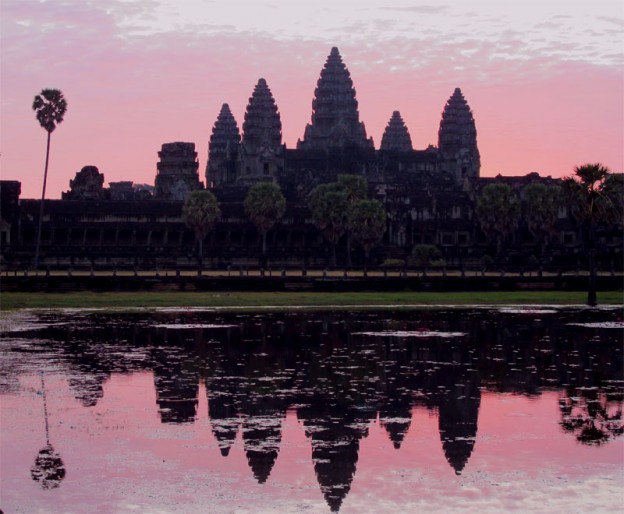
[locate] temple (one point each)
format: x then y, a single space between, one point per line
335 117
429 194
223 149
396 137
177 172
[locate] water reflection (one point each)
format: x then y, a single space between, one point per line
340 372
48 469
592 414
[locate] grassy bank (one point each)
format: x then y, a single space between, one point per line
14 300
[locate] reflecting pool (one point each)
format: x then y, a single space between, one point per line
452 410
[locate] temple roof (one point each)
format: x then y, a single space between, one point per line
225 135
457 127
262 127
396 137
335 117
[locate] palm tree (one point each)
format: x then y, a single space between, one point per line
200 213
367 222
328 205
264 204
595 196
498 210
50 107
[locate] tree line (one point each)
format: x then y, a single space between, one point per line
340 208
343 209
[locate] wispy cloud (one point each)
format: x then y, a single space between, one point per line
419 9
131 91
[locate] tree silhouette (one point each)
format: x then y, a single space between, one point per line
264 204
200 213
50 107
498 211
591 415
540 209
367 222
424 255
328 205
594 196
355 188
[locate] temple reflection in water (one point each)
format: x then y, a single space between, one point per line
340 372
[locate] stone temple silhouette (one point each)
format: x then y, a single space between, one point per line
334 139
429 194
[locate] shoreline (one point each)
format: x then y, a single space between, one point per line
267 301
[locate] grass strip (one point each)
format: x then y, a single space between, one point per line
117 300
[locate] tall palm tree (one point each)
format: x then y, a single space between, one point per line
200 213
264 204
595 196
50 107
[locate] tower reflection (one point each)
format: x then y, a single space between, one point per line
339 372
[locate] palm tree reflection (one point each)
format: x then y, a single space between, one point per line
592 414
48 469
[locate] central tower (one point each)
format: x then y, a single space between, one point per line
335 116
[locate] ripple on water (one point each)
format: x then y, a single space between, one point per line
192 325
411 333
600 324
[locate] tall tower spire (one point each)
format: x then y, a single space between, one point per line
457 139
261 149
262 126
335 116
222 149
396 137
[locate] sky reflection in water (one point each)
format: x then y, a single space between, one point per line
456 410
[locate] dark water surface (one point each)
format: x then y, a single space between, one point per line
454 410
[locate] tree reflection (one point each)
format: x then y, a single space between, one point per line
48 469
592 415
339 371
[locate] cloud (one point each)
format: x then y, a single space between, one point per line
129 92
615 21
419 9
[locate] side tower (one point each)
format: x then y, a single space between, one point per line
261 154
223 150
88 184
457 139
177 172
335 116
396 137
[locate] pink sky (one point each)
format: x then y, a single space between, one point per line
545 80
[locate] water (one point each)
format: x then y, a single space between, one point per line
454 410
